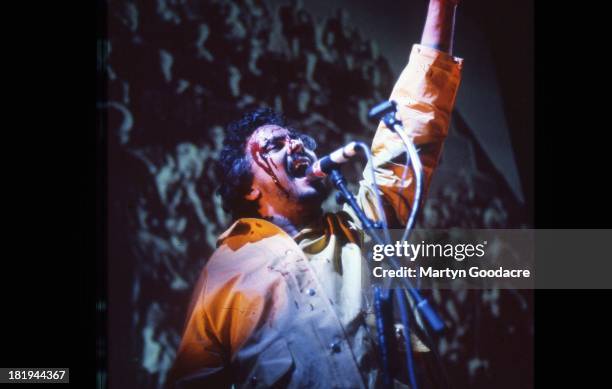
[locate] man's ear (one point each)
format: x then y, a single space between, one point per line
253 194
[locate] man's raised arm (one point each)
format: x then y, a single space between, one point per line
439 29
425 94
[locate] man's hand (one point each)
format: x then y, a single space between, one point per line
439 29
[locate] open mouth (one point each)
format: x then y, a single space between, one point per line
297 166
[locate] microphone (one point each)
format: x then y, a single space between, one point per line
324 166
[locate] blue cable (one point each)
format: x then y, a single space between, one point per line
379 296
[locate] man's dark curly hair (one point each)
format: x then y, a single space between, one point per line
233 167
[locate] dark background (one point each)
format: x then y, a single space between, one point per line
177 72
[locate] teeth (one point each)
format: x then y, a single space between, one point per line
300 163
299 166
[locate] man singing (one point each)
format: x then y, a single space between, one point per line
283 301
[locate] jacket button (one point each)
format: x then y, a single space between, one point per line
311 292
334 347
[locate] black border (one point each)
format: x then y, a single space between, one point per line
572 163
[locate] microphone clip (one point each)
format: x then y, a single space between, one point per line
385 111
345 196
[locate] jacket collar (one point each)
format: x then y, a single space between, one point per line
250 230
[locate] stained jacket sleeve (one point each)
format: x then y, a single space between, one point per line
425 93
200 356
217 325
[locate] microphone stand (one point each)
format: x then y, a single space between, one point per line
346 196
383 301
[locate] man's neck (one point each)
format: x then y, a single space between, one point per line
285 224
293 225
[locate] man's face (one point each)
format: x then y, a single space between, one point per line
279 160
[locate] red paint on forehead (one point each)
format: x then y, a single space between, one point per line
263 133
